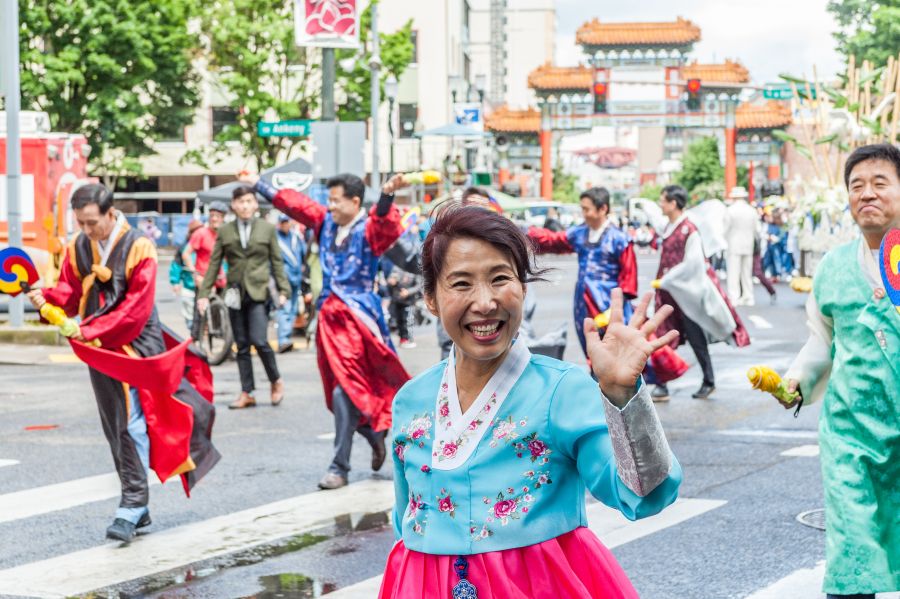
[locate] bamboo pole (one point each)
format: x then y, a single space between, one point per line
810 146
895 113
816 104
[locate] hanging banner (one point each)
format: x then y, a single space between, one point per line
326 23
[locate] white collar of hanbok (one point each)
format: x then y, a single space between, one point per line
344 230
457 435
868 262
671 227
594 235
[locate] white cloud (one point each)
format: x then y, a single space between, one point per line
768 36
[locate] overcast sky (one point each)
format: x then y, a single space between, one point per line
767 36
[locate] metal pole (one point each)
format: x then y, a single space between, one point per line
391 130
375 65
10 67
328 84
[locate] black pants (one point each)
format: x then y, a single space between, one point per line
250 326
697 340
346 422
400 314
760 274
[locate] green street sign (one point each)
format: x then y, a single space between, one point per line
783 91
283 128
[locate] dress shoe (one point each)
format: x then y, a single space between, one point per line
285 348
145 520
379 452
704 391
120 530
660 393
277 392
332 481
244 400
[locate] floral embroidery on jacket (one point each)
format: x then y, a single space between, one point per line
400 448
505 431
534 447
446 504
412 511
418 429
447 449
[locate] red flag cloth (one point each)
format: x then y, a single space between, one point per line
351 356
170 421
198 373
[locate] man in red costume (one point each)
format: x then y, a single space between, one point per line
687 282
146 386
360 369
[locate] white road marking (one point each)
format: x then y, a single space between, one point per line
802 451
611 526
778 434
325 437
110 564
61 496
760 322
805 583
8 463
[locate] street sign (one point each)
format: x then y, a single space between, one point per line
298 128
783 91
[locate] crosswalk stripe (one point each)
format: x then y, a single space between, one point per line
61 496
8 463
805 583
802 451
610 525
760 322
774 433
110 564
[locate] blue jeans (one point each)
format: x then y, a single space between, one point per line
137 428
286 316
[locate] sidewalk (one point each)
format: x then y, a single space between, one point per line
36 355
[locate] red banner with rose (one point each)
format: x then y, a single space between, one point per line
326 23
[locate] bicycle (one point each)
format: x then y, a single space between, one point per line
216 337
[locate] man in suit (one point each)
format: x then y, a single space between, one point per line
250 246
741 223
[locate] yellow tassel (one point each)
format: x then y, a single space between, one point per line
103 272
602 319
764 379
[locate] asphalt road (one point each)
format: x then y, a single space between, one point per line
738 534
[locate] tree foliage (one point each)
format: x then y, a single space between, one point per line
565 186
396 51
118 72
701 164
868 29
256 66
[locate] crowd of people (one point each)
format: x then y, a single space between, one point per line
494 447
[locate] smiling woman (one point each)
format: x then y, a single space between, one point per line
494 448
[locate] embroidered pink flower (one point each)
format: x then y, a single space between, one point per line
398 450
418 433
445 504
473 425
445 410
537 448
449 450
503 509
503 429
524 510
543 479
425 468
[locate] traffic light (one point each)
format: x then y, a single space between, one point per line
599 91
693 91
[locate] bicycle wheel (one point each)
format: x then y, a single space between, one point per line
216 337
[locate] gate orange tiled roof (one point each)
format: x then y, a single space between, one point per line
771 115
728 72
549 77
505 120
679 32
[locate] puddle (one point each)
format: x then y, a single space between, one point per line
291 586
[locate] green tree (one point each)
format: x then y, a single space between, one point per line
651 191
700 164
251 52
868 29
396 51
118 72
565 186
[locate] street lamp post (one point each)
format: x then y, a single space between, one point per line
391 88
375 66
10 70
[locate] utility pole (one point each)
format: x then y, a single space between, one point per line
375 66
328 113
10 68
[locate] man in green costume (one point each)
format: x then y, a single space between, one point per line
852 358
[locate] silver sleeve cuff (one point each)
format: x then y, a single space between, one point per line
643 457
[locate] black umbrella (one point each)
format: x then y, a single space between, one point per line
296 174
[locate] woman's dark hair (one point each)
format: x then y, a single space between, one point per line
460 221
886 152
599 197
242 190
475 191
353 186
677 194
93 193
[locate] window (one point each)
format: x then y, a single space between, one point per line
409 114
222 117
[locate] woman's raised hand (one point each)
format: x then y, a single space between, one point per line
619 358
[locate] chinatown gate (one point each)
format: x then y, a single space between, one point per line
639 76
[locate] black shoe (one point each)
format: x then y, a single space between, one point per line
121 530
660 393
773 299
379 453
704 391
285 348
145 520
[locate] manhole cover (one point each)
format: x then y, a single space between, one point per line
812 518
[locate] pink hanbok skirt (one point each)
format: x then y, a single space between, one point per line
575 565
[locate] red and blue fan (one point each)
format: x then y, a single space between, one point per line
889 261
17 271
